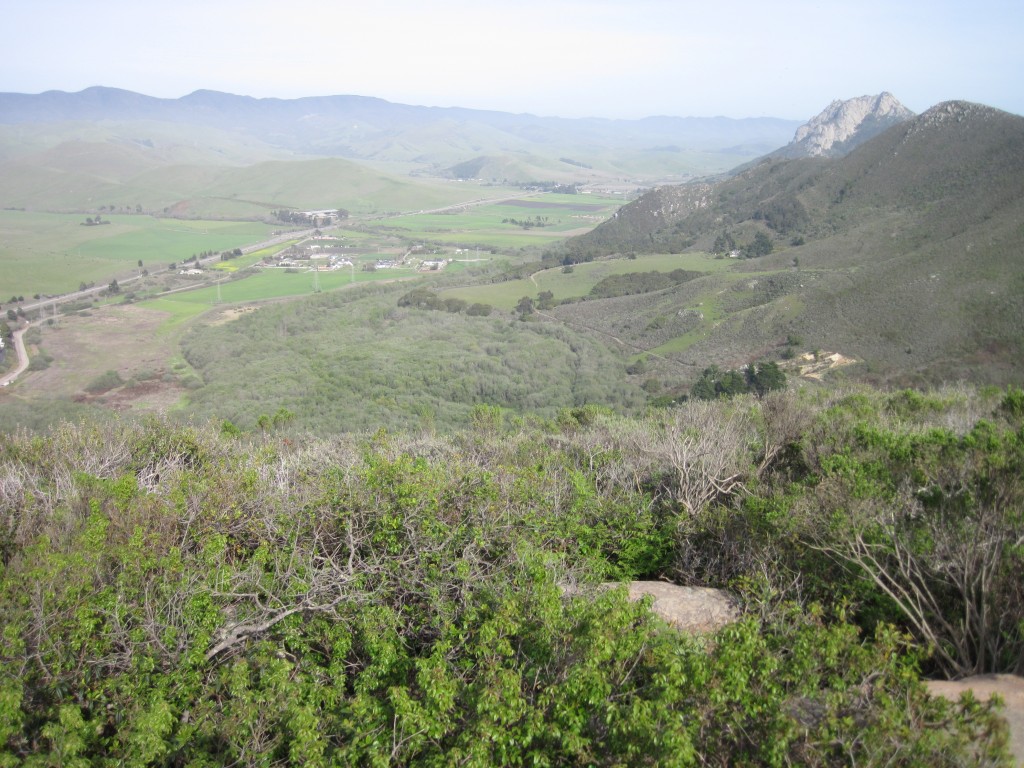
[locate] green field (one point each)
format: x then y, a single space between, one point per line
264 285
566 285
474 224
51 254
501 224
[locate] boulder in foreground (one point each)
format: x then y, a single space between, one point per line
701 610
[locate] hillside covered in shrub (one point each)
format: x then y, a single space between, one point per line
903 254
192 595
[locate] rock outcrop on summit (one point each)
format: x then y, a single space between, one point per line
843 125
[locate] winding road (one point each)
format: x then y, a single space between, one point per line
19 342
19 348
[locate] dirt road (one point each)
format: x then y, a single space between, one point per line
19 348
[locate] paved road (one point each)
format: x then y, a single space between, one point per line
88 293
19 348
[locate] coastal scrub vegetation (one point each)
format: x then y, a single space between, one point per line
198 594
385 355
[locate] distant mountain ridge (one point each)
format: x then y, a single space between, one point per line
950 154
370 128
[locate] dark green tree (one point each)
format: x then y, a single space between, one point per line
761 246
525 306
724 243
704 388
767 377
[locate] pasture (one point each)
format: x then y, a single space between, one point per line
582 278
262 285
501 224
51 254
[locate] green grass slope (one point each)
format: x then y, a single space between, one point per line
242 130
906 254
81 176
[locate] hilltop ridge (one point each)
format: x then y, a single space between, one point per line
367 128
903 253
843 125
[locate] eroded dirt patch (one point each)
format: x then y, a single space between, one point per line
124 338
230 314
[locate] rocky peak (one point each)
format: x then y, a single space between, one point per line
842 125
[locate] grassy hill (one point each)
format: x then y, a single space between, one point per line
239 128
81 176
356 360
383 525
905 254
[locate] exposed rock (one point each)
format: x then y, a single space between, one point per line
690 609
1009 687
811 365
845 124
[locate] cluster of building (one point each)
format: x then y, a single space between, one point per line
314 261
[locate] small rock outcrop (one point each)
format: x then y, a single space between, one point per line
701 610
1009 687
843 125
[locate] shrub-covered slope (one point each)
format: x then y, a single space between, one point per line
355 360
906 252
174 596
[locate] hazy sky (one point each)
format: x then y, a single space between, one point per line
603 58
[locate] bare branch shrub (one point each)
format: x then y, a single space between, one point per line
950 559
698 454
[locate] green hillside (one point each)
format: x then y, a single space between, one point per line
386 494
333 183
209 128
905 254
82 176
356 360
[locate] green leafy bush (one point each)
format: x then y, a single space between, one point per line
104 382
193 595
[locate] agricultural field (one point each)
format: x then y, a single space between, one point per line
379 240
146 369
52 254
265 285
539 220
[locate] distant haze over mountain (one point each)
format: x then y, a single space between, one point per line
359 127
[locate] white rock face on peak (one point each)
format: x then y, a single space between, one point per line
842 125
